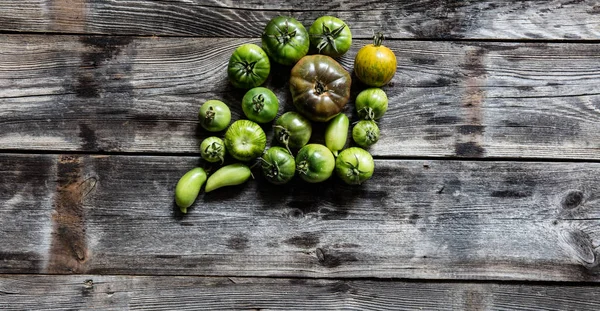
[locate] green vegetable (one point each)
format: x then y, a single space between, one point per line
292 130
278 165
229 175
260 105
336 133
354 166
188 187
245 140
365 133
285 40
371 104
320 87
214 115
212 149
248 66
330 36
315 163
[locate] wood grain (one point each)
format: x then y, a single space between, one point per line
414 219
94 292
131 94
424 19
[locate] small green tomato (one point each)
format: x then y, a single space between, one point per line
212 149
260 105
371 104
365 133
214 115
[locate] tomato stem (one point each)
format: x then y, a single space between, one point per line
258 102
285 35
320 87
284 137
210 115
378 39
302 167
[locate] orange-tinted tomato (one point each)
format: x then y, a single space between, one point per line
375 64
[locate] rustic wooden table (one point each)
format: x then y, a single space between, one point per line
486 193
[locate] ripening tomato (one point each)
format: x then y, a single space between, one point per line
320 87
375 64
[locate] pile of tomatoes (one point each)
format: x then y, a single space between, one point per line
320 90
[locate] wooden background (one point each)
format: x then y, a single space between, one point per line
486 193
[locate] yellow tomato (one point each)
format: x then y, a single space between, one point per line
375 64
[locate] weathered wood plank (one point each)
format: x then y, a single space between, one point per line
488 19
94 292
414 219
448 99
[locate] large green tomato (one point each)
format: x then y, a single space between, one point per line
248 67
285 40
315 163
330 36
245 140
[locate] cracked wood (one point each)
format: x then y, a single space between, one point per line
132 94
492 220
431 19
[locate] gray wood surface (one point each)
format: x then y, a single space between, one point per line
94 292
488 19
132 94
414 219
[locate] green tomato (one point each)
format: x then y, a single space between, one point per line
354 165
245 140
229 175
248 67
365 133
188 187
212 149
260 105
278 165
371 104
336 133
330 36
292 130
214 115
315 163
285 40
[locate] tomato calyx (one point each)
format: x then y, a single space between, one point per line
320 88
272 169
248 67
210 115
328 37
258 103
368 113
302 167
285 35
284 137
372 135
354 170
215 150
378 39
